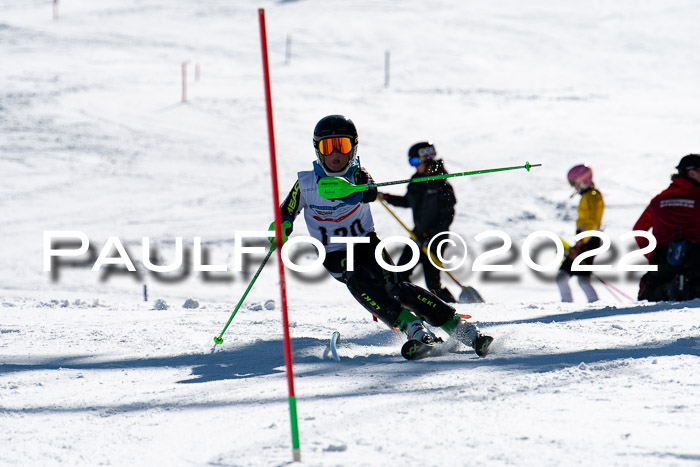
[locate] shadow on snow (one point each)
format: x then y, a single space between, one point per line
264 358
604 312
260 358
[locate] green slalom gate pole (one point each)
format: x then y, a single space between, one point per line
338 187
219 339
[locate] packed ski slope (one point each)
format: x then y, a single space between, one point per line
94 138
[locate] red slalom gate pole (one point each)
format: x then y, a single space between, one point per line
296 450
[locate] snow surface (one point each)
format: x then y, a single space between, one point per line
94 137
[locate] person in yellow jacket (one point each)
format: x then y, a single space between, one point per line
590 215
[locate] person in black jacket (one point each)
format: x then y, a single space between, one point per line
433 205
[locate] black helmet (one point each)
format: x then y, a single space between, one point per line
334 126
421 152
689 162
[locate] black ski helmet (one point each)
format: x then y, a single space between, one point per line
420 152
689 162
335 125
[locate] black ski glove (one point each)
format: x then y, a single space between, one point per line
361 178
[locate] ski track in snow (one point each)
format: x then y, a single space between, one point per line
93 137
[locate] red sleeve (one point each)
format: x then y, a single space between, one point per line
645 222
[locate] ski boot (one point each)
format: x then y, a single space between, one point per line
420 343
418 332
468 334
481 344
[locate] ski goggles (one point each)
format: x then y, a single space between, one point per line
342 144
423 155
416 161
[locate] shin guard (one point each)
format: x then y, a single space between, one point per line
375 299
426 305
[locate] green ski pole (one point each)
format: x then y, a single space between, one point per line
338 187
218 339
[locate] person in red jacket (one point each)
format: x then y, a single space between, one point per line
674 217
